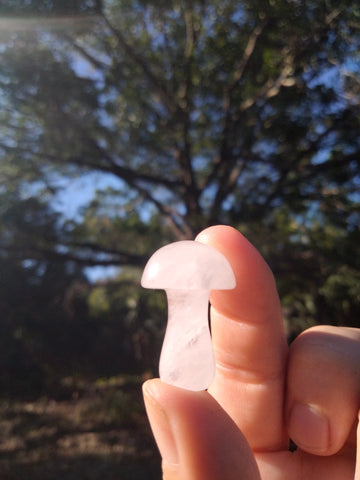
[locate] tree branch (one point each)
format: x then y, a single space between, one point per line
127 174
183 153
45 253
130 51
179 228
95 62
239 72
224 164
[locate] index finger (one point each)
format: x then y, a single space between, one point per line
249 342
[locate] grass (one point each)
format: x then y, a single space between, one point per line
100 432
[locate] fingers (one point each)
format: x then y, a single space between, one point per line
323 388
196 438
249 342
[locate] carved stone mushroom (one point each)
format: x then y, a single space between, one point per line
188 271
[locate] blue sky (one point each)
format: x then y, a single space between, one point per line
75 194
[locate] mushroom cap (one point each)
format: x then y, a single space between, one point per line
188 265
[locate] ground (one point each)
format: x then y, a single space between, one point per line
98 431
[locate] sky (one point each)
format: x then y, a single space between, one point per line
75 195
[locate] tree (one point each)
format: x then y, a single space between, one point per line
205 112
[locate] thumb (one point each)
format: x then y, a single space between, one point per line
195 436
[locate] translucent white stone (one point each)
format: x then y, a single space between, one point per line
188 271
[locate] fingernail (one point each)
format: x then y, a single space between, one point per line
160 425
309 428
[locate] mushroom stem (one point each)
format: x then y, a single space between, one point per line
187 358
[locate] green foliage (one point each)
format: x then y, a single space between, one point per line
130 326
48 7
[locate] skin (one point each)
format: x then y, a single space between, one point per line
264 393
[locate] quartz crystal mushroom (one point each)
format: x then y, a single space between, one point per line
188 271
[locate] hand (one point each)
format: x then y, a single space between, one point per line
263 393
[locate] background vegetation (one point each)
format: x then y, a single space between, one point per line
125 125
